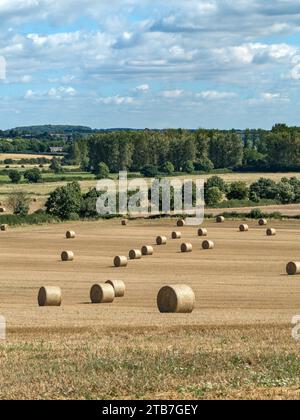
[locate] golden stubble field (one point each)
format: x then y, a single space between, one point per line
236 344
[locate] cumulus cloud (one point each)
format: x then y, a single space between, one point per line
53 93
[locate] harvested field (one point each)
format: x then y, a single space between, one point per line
236 344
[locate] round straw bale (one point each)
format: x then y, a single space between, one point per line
4 227
208 245
120 261
135 254
147 250
220 219
176 299
176 235
67 256
262 222
124 222
161 240
119 287
70 234
293 268
202 232
180 223
2 210
186 247
49 296
102 293
271 232
244 228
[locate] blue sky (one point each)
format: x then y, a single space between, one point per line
142 63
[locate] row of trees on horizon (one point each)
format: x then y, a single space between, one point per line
172 151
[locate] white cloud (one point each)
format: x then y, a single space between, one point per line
143 88
53 93
172 94
213 95
116 100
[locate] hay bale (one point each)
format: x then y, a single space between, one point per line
262 222
120 261
161 240
202 232
208 245
70 234
176 299
293 268
67 256
4 227
124 222
220 219
244 228
176 235
119 287
102 293
186 247
2 210
180 223
147 250
50 296
271 232
135 254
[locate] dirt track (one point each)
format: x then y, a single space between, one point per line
241 281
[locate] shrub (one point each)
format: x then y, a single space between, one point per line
149 171
168 168
15 176
188 167
238 191
204 165
256 214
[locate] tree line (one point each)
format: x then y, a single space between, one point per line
169 151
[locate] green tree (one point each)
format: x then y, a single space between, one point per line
226 150
264 188
64 202
15 176
213 196
168 168
33 176
19 203
56 166
102 171
188 167
238 191
216 181
286 192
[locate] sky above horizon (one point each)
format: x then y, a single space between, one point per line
150 64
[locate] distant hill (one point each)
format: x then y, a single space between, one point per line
37 130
